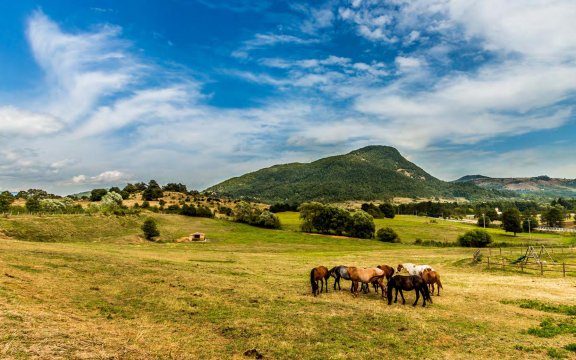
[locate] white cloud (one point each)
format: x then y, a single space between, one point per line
405 64
14 121
106 177
535 28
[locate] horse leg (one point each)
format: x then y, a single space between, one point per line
418 297
355 288
403 300
396 298
326 279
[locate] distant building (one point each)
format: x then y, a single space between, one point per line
198 236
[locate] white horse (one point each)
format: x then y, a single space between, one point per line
413 269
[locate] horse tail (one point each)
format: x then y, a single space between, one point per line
439 282
389 287
313 281
426 292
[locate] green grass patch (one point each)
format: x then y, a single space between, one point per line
549 328
537 305
556 353
570 347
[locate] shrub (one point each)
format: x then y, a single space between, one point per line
387 234
388 210
475 238
251 215
97 194
362 225
33 204
6 199
267 219
150 229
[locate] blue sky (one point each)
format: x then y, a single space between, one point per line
100 93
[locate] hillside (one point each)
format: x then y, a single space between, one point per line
370 173
539 186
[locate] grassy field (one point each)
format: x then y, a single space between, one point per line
88 287
410 228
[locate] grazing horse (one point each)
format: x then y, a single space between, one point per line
413 269
319 273
389 271
338 272
411 282
431 277
364 276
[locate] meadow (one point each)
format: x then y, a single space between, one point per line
89 287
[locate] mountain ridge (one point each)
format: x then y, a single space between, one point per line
536 186
374 172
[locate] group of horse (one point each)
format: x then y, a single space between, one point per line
420 278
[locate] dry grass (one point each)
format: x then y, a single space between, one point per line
249 288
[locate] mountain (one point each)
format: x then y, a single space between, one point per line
539 186
370 173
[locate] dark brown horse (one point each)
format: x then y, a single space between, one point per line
321 274
431 277
411 282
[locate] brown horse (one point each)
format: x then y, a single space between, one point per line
431 277
321 274
388 271
365 276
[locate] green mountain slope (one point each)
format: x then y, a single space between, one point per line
370 173
539 186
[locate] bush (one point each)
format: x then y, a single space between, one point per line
150 229
387 234
97 194
362 225
388 210
475 238
249 214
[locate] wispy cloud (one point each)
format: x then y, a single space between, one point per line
81 69
260 41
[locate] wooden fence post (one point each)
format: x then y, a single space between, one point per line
502 263
541 268
489 251
488 262
564 269
500 251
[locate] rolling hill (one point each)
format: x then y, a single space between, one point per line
370 173
539 186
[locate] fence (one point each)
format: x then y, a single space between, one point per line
554 229
494 259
